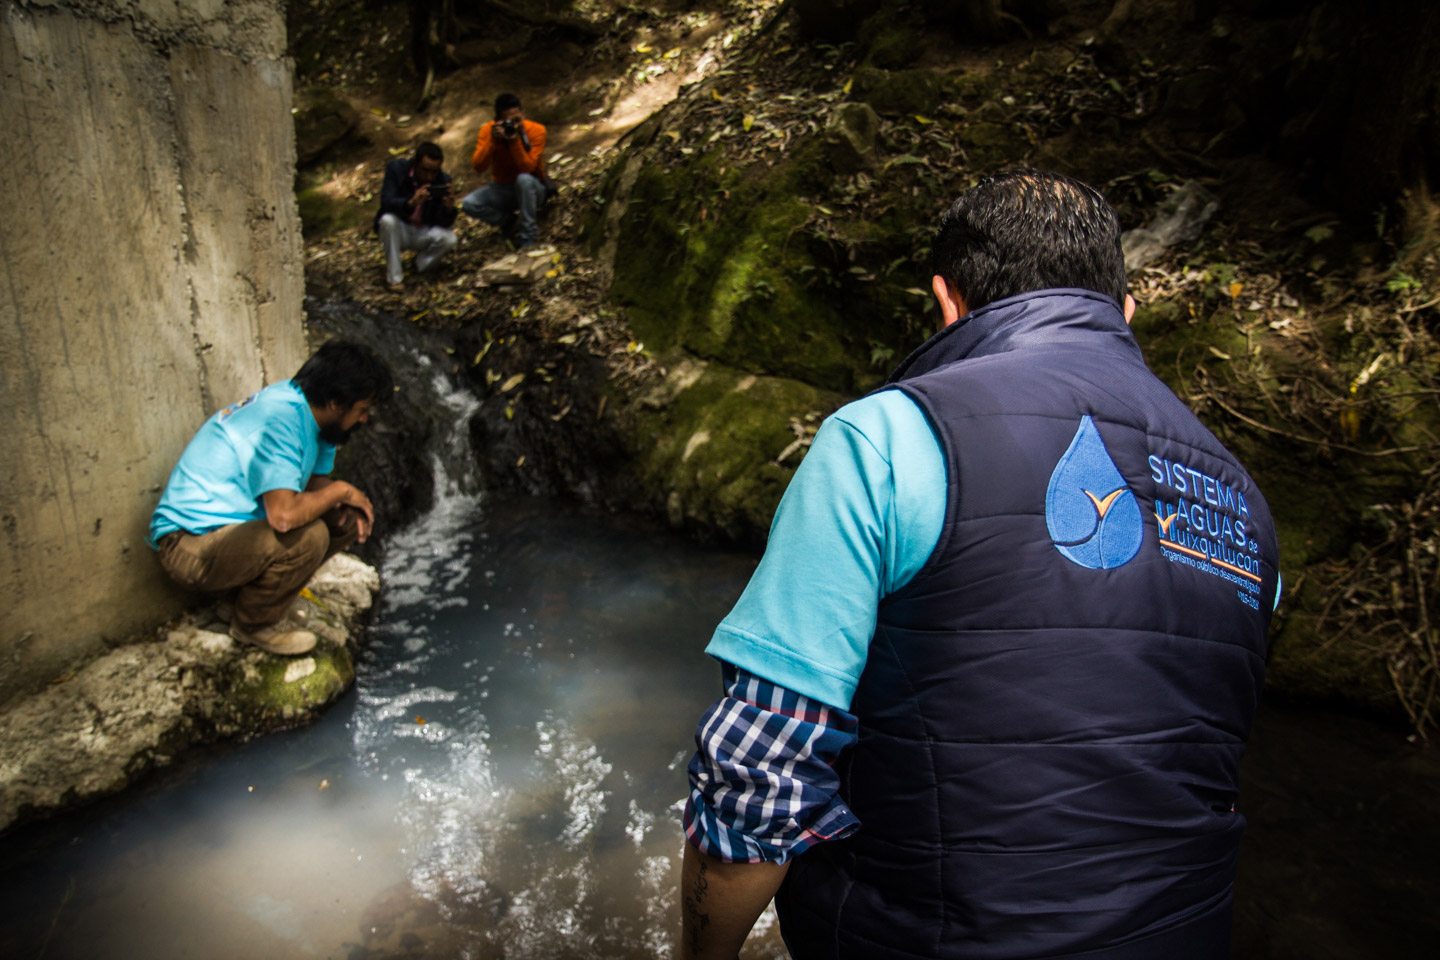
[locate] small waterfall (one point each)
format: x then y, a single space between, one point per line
431 557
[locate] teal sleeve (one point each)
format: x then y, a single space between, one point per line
861 516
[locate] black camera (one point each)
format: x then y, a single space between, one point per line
511 126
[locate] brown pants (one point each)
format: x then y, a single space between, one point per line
266 569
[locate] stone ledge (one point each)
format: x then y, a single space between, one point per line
138 706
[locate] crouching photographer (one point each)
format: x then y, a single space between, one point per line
417 209
512 148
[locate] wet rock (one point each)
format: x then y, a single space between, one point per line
850 137
134 708
388 458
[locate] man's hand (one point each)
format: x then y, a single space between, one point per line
719 903
365 522
421 194
286 510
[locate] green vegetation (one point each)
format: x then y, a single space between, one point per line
718 445
264 697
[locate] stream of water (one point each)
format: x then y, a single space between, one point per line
505 779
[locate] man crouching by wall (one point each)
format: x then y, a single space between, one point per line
251 506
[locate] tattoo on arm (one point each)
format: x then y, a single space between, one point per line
694 899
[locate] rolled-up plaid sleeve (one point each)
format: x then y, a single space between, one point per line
763 787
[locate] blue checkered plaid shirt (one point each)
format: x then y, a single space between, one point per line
762 782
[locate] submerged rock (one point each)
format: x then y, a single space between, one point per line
136 707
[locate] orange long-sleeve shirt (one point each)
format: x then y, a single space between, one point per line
507 159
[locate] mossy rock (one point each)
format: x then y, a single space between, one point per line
708 443
322 119
899 92
322 215
717 259
279 691
989 145
894 49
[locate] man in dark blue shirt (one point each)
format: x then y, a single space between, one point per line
417 211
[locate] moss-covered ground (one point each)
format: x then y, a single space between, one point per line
730 233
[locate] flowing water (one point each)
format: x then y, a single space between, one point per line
506 775
506 779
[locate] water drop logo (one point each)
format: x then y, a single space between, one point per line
1090 511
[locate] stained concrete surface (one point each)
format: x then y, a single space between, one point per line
149 274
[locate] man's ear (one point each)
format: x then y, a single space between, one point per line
952 305
1129 308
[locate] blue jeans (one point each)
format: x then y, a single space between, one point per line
509 206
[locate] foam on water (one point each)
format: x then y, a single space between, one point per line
507 777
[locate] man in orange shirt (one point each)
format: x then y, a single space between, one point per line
513 149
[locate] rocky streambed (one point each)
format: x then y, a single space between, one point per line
141 705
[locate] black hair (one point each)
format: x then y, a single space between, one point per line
504 102
1029 230
345 373
431 150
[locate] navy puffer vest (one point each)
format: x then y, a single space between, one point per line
1053 710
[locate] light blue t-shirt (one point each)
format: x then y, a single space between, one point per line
860 518
269 441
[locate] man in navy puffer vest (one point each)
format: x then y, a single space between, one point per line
1026 743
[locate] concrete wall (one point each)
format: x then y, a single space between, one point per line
150 272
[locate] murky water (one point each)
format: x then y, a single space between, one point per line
504 779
